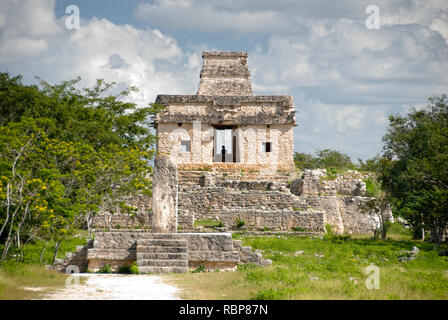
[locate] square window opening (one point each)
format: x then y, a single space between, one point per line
267 147
185 146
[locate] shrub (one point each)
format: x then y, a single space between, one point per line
132 269
201 268
106 269
240 223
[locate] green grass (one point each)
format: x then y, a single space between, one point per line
208 223
18 279
339 274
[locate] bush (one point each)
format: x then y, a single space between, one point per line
201 268
132 269
106 269
240 223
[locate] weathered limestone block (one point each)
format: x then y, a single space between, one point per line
224 73
354 220
116 219
331 206
165 190
308 220
315 182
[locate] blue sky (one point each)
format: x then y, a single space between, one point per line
346 79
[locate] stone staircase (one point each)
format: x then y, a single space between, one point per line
247 255
165 253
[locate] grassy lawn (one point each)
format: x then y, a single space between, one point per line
29 279
327 269
20 281
207 223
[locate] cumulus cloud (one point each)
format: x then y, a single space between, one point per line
40 45
345 79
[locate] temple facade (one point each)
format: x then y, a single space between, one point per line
225 126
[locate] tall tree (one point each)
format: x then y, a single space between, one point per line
64 152
416 175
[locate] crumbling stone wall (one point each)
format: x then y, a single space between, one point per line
140 219
339 197
318 182
312 201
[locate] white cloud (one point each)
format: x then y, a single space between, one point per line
147 59
345 79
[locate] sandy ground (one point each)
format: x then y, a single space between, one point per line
116 287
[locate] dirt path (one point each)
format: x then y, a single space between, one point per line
116 287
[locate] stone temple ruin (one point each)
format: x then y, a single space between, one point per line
225 155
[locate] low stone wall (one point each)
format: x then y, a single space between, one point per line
209 203
121 220
342 212
119 248
275 219
115 220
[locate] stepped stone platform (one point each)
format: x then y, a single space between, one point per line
169 252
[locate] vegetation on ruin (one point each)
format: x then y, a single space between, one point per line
327 268
412 172
208 223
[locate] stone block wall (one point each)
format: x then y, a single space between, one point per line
313 221
211 250
312 201
141 218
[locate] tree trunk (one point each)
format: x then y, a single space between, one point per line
56 249
6 248
42 252
89 224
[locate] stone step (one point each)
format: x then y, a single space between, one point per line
246 249
237 243
161 249
162 243
162 256
162 263
163 269
79 248
168 236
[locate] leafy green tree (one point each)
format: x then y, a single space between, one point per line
64 153
305 161
325 159
329 158
371 165
416 175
